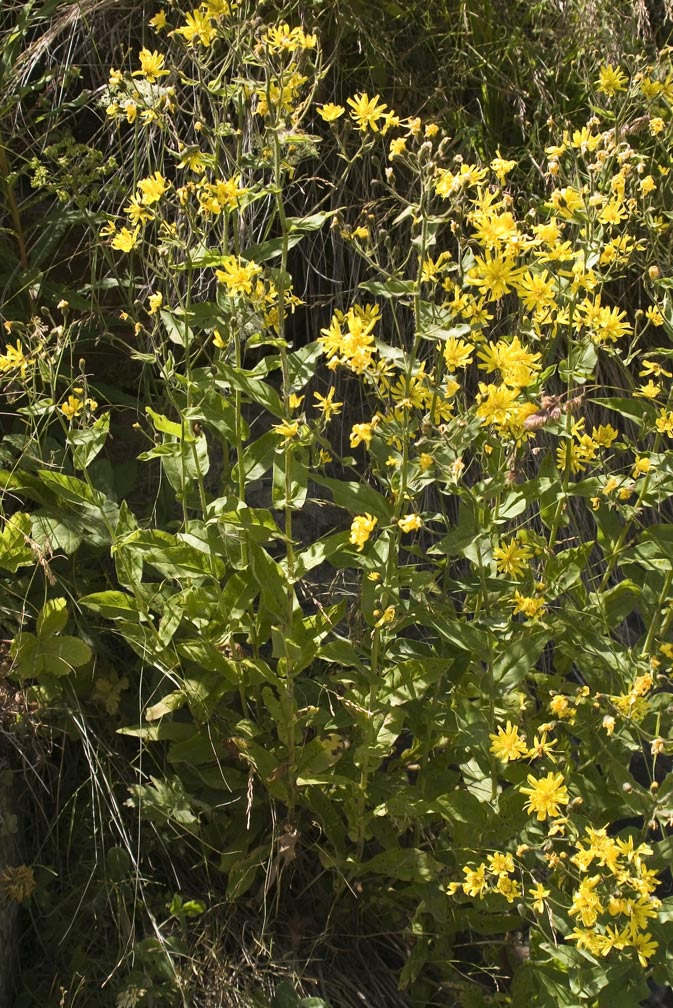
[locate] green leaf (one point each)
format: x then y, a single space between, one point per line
519 657
87 442
54 533
111 604
166 426
256 391
15 549
389 288
357 498
404 863
53 618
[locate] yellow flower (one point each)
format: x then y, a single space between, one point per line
362 527
14 357
330 112
366 112
72 407
507 744
457 353
197 26
496 403
539 894
151 66
125 240
155 302
397 147
425 461
500 864
136 212
237 274
533 608
648 391
546 795
654 315
641 466
387 616
152 188
475 883
410 523
159 20
512 558
657 124
501 168
542 747
611 80
361 433
288 429
326 404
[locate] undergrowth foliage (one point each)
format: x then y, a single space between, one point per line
383 639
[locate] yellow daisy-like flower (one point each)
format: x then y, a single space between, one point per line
546 795
331 112
151 66
237 275
507 744
152 188
367 112
410 523
362 527
611 80
288 429
512 558
14 357
539 894
124 240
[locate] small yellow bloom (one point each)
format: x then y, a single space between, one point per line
72 407
330 112
611 80
361 433
362 527
641 466
151 66
366 112
124 240
546 795
152 188
387 616
326 404
410 523
507 744
539 894
159 20
155 302
288 429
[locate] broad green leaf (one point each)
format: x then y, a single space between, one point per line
519 657
87 442
166 426
52 619
111 604
15 548
357 498
54 533
404 863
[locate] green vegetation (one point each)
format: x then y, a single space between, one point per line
335 503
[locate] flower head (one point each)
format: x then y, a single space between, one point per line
546 795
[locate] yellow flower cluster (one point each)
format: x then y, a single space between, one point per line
613 906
